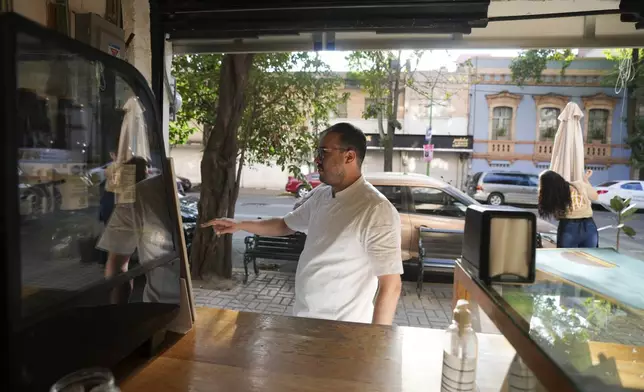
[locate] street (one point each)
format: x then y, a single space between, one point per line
253 204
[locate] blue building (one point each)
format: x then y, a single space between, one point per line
514 127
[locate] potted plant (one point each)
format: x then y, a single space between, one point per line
624 211
549 133
596 136
501 132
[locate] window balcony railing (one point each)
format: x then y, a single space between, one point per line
500 147
597 152
543 151
505 149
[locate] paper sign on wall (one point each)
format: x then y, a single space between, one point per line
428 152
114 50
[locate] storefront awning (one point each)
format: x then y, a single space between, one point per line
416 142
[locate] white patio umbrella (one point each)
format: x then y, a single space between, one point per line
568 150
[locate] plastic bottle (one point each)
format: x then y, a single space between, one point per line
460 352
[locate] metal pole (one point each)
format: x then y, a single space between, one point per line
431 111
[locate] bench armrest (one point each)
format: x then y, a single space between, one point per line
250 241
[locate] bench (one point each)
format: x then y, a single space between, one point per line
273 248
438 250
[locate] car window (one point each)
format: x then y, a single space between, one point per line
433 201
607 183
632 186
502 179
533 181
395 194
464 198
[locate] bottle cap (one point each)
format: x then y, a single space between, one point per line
462 313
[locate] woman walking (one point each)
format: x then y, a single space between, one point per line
570 203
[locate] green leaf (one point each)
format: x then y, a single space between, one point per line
617 203
628 213
629 231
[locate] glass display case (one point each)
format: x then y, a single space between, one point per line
91 265
579 327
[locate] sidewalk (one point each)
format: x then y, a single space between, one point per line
274 293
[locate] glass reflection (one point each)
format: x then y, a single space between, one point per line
92 197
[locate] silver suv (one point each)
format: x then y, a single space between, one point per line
504 187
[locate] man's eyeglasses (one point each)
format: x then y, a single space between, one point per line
321 151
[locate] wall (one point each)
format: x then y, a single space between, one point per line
187 163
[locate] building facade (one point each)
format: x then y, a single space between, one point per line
514 127
437 99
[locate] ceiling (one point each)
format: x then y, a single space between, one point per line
197 26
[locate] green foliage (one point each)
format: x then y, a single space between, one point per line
624 211
530 64
197 78
285 92
377 73
549 133
635 138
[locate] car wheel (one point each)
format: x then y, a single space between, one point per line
495 199
302 191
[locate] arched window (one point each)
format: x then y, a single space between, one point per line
598 121
598 126
501 123
548 123
502 115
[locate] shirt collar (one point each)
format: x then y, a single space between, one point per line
346 192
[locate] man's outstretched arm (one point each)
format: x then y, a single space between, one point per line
267 227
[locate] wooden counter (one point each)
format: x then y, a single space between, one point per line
237 351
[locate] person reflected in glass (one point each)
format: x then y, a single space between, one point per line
141 222
571 204
106 203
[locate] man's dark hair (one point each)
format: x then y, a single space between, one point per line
351 138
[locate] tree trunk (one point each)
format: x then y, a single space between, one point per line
388 145
392 118
212 255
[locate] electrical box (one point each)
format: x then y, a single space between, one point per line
101 34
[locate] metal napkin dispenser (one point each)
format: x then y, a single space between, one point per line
499 244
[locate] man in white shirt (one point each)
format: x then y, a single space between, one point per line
352 251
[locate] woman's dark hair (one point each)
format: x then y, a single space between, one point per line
554 195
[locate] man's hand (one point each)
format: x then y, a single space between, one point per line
587 175
222 226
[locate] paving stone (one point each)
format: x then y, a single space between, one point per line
273 292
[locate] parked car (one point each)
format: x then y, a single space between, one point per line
425 201
300 188
633 190
504 187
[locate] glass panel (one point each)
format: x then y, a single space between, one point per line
632 186
590 327
432 201
91 181
548 123
501 123
597 125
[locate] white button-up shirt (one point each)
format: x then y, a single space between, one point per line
352 238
